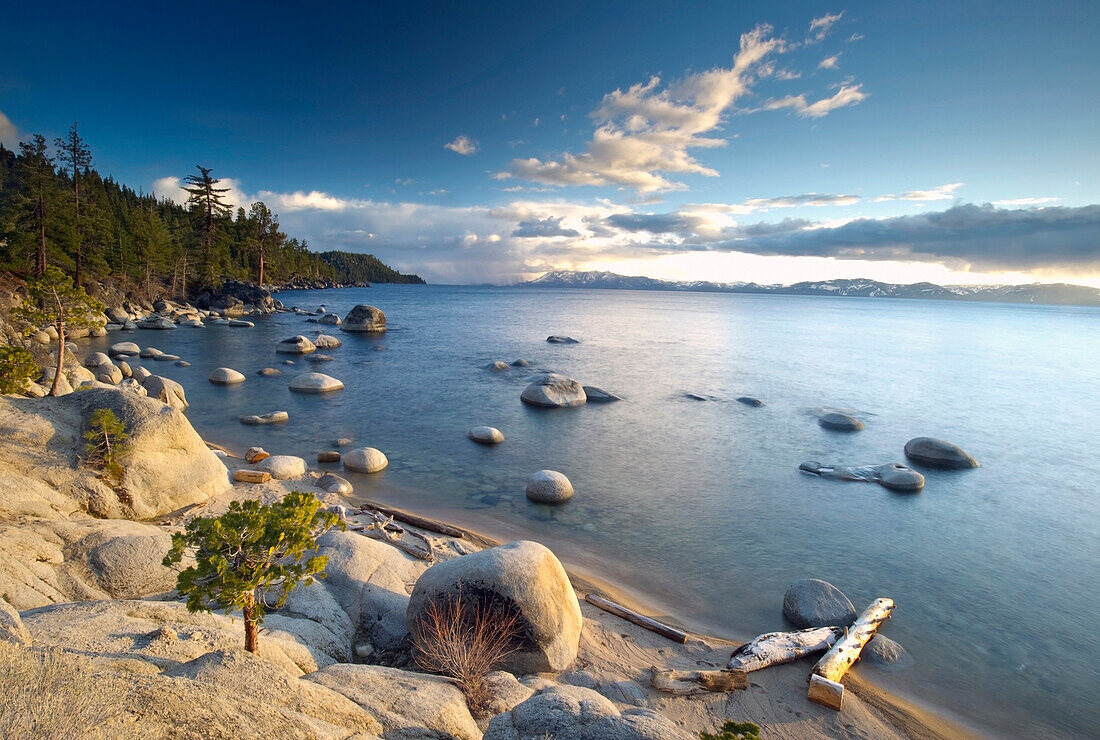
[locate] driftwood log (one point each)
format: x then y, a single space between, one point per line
252 476
686 683
414 520
825 686
639 619
383 528
774 648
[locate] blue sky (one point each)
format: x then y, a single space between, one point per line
726 141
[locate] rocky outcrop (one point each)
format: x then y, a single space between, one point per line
409 705
364 318
938 453
166 468
523 578
11 626
553 390
815 603
237 297
574 712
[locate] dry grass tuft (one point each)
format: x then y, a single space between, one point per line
50 695
466 638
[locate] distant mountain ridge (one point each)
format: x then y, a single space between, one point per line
1052 293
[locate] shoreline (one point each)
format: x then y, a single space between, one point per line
908 715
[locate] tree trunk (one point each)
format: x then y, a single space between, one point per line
250 630
79 260
825 686
260 280
40 255
60 326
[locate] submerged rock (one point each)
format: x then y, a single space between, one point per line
499 366
885 653
894 476
364 318
274 417
269 371
815 603
485 435
599 395
938 453
555 339
521 363
750 401
840 422
521 578
549 487
553 390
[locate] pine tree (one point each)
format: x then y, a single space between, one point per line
265 235
74 152
207 204
34 170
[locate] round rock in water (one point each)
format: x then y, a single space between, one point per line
269 371
328 456
365 460
885 653
816 603
226 376
320 358
750 401
364 318
554 339
298 345
549 487
124 348
521 363
553 390
900 478
938 453
840 422
499 366
275 417
486 435
315 383
326 341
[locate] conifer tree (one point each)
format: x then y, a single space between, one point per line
207 205
75 154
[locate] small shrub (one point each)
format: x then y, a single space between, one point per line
51 695
17 368
465 638
734 731
106 443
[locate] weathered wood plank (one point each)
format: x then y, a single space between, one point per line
639 619
775 648
416 521
252 476
686 683
827 690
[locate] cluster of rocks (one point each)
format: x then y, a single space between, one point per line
927 451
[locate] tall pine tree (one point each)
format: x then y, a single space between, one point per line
208 207
75 154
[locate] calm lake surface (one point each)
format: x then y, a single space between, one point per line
699 506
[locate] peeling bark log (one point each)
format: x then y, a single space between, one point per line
825 686
686 683
415 521
252 476
774 648
639 619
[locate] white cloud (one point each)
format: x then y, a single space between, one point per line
463 145
829 62
301 201
8 133
1025 201
943 192
845 96
820 27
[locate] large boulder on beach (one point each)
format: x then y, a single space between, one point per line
549 487
166 391
226 376
520 578
364 318
283 467
486 435
563 711
109 373
315 383
95 359
812 602
298 345
840 422
365 460
554 390
330 483
938 453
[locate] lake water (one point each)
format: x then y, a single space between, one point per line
699 505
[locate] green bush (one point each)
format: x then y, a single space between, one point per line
17 368
106 443
734 731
